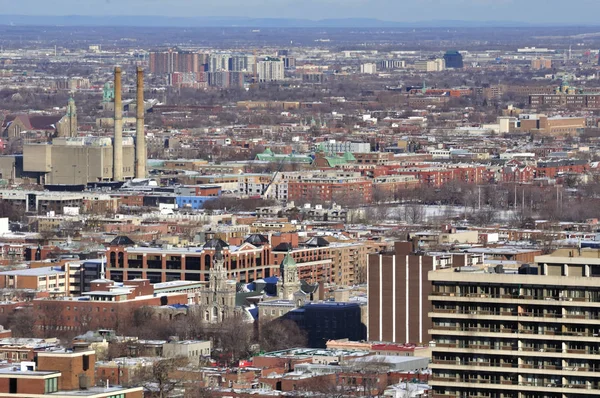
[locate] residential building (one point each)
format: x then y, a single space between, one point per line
244 263
194 350
398 291
541 63
369 68
436 65
64 373
270 70
526 332
336 187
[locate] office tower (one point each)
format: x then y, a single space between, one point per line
453 59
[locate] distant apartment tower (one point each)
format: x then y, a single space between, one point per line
270 70
242 63
541 63
368 68
176 61
219 62
289 62
226 79
391 64
434 65
453 59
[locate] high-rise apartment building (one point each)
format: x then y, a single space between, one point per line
270 69
242 63
219 62
541 63
531 332
369 68
176 61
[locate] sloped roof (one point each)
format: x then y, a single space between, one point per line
283 247
308 288
257 239
122 240
288 261
349 157
215 243
34 122
317 241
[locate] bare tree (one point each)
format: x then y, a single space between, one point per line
159 379
281 334
22 322
414 213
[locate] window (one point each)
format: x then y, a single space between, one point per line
12 386
51 385
86 362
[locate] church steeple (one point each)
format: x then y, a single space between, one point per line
289 281
218 273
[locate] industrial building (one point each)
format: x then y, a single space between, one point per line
78 161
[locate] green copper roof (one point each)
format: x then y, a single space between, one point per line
288 261
349 157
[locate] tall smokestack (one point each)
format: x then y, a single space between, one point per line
140 139
118 139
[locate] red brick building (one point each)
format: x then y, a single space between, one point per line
337 187
106 306
61 373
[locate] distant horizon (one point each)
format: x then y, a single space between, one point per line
150 20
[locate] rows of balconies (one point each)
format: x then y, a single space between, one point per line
518 381
547 300
532 332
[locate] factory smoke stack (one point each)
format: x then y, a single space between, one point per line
140 139
118 138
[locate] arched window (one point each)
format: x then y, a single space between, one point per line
113 259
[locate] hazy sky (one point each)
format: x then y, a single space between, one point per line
537 11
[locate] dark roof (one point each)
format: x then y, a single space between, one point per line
308 288
35 122
122 240
317 241
215 243
283 247
257 239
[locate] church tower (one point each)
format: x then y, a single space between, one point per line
218 301
289 281
72 116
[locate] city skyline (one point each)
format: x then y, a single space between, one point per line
532 12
